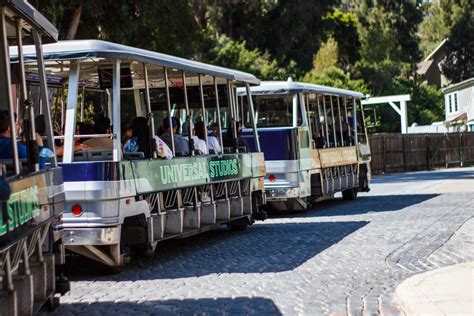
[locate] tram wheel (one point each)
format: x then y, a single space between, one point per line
62 285
238 225
349 194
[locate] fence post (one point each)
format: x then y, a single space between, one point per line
461 149
404 137
428 162
383 155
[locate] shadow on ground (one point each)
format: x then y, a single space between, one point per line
467 173
266 247
219 306
362 205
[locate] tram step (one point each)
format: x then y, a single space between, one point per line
9 302
24 293
208 214
174 222
223 210
158 222
236 206
192 217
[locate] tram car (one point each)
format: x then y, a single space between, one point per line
314 140
124 194
31 185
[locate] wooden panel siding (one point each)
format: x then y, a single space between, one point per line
397 152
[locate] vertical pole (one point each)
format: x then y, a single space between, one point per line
218 110
203 107
252 117
117 149
354 115
44 95
28 110
340 119
403 109
333 121
6 87
188 115
149 113
168 106
83 93
325 119
347 119
232 117
71 109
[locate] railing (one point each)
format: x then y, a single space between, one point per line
413 152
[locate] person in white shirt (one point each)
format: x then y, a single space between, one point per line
199 144
213 142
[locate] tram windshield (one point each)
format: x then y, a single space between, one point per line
275 111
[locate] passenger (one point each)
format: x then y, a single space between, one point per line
6 150
319 140
40 125
140 141
126 131
229 136
181 145
199 144
212 141
102 126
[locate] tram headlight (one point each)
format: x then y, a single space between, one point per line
271 178
76 210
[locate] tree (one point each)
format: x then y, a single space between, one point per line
336 77
459 63
327 56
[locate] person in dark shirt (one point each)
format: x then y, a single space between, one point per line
180 143
6 149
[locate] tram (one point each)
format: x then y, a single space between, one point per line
120 202
31 185
314 140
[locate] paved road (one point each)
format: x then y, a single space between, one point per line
340 258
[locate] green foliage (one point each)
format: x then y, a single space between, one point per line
335 77
327 56
379 75
459 63
229 53
342 26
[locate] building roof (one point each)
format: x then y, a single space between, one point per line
424 66
459 86
436 50
286 87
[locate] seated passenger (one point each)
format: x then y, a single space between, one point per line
228 138
180 144
6 150
199 144
102 126
140 141
212 141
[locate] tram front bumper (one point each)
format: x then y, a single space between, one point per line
92 236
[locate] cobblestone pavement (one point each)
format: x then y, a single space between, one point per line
340 258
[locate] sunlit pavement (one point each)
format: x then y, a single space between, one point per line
340 258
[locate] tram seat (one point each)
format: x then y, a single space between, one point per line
228 150
80 156
198 152
134 156
212 152
8 168
98 155
243 149
181 154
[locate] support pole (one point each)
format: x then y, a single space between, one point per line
117 148
168 106
252 117
218 110
71 109
203 108
188 116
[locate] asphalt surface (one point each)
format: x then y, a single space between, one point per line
340 258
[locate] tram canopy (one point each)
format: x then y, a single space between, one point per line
94 50
33 18
286 87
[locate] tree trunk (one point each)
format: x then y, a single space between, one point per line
76 18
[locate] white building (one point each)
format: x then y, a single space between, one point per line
459 106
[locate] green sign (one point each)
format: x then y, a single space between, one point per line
20 208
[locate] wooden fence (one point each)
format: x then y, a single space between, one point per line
412 152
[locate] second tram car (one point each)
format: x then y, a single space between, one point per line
314 140
124 195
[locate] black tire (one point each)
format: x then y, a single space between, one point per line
62 285
349 194
238 225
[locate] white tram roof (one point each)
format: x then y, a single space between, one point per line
90 49
286 87
32 18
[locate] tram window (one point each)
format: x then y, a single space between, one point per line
273 111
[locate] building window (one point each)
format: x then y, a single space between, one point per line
455 102
450 103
